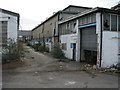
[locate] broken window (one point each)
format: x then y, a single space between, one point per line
106 21
113 23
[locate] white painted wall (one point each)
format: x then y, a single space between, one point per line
110 48
110 45
70 38
77 43
98 32
12 30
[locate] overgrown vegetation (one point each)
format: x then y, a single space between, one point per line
57 52
36 46
12 51
41 48
117 66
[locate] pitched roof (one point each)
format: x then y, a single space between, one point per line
97 9
77 7
9 12
59 12
113 8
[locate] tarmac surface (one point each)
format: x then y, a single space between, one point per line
43 71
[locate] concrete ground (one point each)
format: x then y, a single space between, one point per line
41 71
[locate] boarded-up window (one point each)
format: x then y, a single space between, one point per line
64 46
113 23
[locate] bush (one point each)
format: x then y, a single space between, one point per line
117 66
57 52
12 52
41 48
36 47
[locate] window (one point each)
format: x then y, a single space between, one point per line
118 23
64 46
67 26
80 21
106 21
84 18
93 18
3 25
89 19
74 25
60 16
113 23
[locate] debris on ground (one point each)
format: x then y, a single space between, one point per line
60 66
27 51
109 70
50 78
32 57
70 83
90 67
63 60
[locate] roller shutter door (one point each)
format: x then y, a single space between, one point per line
89 39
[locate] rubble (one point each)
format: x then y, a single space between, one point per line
110 70
102 70
90 67
32 57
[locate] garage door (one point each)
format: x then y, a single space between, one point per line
89 39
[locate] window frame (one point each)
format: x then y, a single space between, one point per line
118 25
111 22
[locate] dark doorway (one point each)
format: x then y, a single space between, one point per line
74 51
90 57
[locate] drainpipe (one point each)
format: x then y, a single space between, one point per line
18 24
101 33
43 36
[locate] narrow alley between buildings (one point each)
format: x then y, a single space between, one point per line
42 71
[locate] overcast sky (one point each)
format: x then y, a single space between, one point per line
32 12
